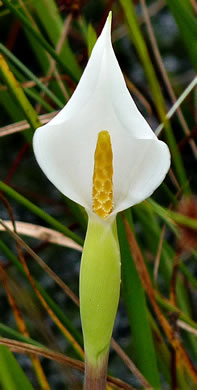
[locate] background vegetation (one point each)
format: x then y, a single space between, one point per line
44 48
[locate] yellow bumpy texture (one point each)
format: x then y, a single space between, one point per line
102 192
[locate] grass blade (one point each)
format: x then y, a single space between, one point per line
27 24
49 15
31 75
19 95
12 376
138 40
137 313
40 213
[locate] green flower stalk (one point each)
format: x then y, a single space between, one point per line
100 152
99 297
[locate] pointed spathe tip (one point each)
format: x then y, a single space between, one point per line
109 18
107 27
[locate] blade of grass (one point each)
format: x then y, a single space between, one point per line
165 304
53 69
183 357
150 227
43 58
175 106
42 233
32 93
12 333
138 40
40 213
92 37
38 99
164 73
38 259
172 217
49 15
19 95
22 124
12 376
78 212
31 75
27 24
137 313
163 354
68 335
24 348
187 23
192 279
10 106
11 256
23 329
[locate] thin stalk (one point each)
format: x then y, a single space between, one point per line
42 379
31 75
164 73
175 106
141 48
96 375
19 95
27 24
172 217
39 212
137 309
184 358
21 125
43 57
54 307
12 376
48 15
52 67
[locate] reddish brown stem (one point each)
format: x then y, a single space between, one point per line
96 374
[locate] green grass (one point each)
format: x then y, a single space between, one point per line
44 47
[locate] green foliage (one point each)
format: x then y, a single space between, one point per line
187 23
44 47
137 312
91 39
12 376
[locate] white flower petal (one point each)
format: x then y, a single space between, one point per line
65 147
86 87
102 78
67 160
144 164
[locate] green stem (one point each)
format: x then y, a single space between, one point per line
99 296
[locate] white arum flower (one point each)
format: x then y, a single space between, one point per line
100 152
65 147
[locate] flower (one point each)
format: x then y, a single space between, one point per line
100 152
65 147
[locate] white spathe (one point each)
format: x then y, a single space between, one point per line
65 147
